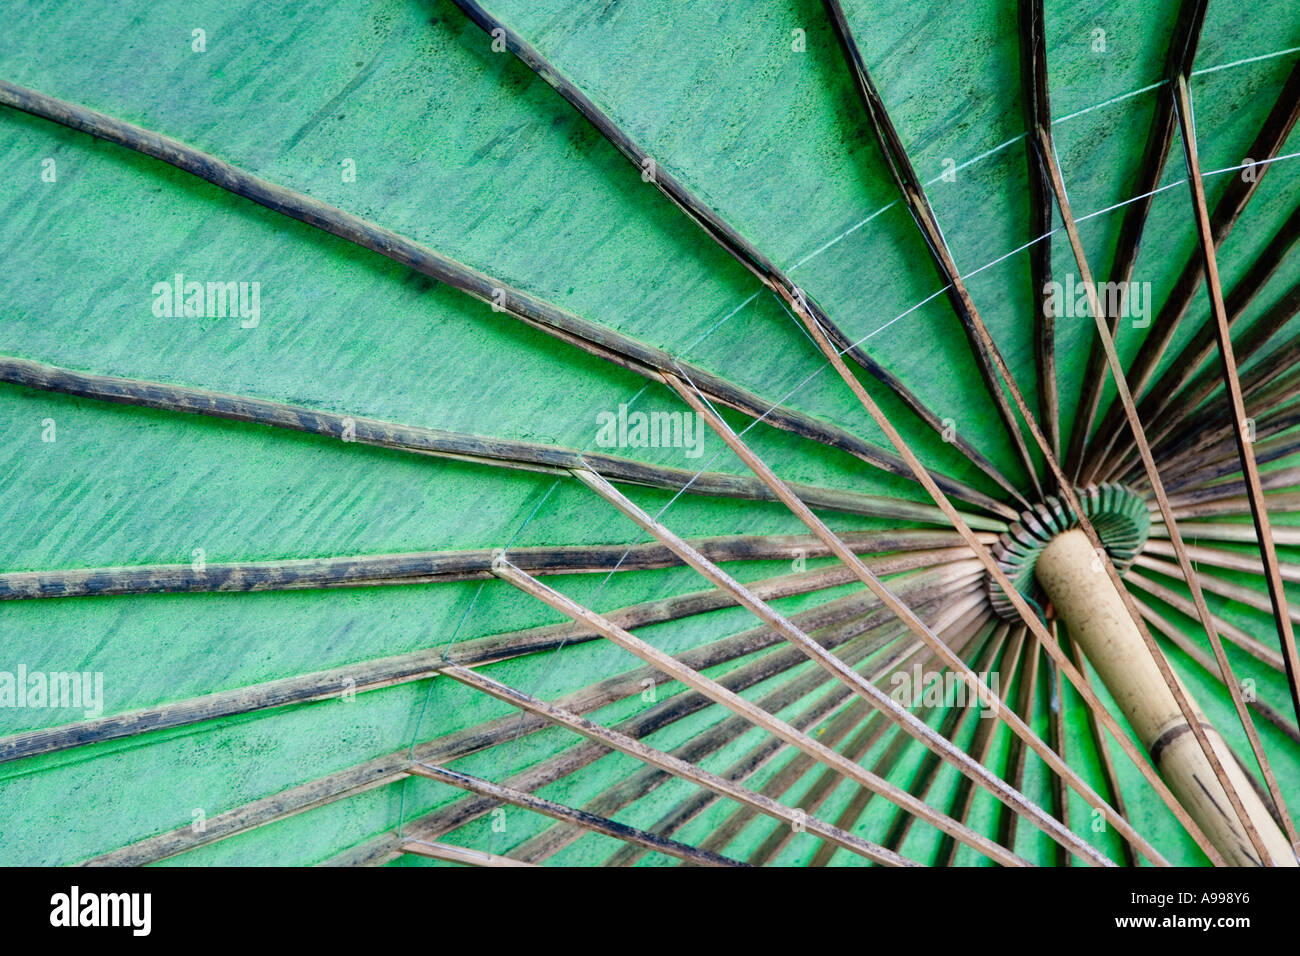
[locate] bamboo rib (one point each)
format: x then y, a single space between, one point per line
1255 648
675 766
826 782
634 787
387 769
1100 745
964 797
853 649
529 456
1190 446
1038 112
1098 620
455 854
1179 639
1009 823
723 835
819 528
1181 388
719 694
915 727
584 466
1237 194
548 843
1179 60
1022 608
1223 460
425 567
1228 560
951 723
853 638
1213 531
866 89
1272 384
1177 692
1018 602
867 738
1216 585
419 665
598 340
913 194
581 818
712 223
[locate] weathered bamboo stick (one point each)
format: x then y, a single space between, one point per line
458 854
558 811
429 567
717 228
875 724
843 635
593 338
675 766
774 725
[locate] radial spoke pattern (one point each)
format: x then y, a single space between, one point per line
812 673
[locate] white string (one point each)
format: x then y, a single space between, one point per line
802 383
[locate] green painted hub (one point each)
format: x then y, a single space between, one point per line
1117 512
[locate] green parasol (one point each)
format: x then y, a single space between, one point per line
565 433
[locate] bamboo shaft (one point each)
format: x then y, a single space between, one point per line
1090 605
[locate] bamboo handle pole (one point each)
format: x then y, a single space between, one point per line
1091 607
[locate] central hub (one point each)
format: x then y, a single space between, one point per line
1118 514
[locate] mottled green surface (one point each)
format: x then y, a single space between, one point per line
467 152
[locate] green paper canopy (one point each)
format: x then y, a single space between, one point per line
324 328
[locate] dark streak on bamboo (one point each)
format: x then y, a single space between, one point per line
1180 389
718 229
913 194
591 337
1038 112
448 566
1236 195
581 818
508 453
